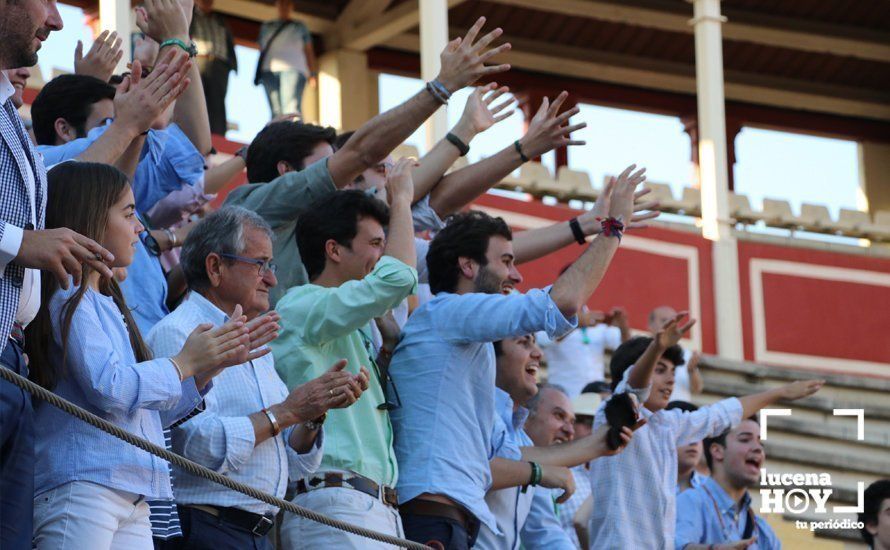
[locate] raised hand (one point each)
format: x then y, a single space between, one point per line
801 389
208 350
163 20
558 477
480 114
674 330
138 101
623 193
63 252
103 57
262 330
549 129
643 210
335 389
399 180
463 60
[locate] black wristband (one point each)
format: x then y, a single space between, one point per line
575 226
456 141
518 148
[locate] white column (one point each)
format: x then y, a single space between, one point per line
115 15
713 175
433 38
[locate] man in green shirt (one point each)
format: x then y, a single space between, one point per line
357 273
300 164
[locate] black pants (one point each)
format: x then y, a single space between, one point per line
203 531
215 78
16 455
439 532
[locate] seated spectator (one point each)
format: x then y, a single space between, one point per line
19 79
357 273
876 515
645 367
287 61
718 513
251 430
688 456
687 378
573 514
445 368
577 359
85 346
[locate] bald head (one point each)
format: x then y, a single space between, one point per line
659 316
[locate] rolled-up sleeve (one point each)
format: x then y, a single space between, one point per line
10 244
708 421
300 465
690 520
542 529
425 217
221 443
624 386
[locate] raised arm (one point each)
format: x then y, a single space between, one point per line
506 473
217 177
751 404
103 57
400 237
462 61
168 20
547 131
574 287
578 451
479 115
669 335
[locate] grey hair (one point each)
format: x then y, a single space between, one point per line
222 232
532 404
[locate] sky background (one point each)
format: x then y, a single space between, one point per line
772 164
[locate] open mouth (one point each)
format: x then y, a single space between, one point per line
507 288
754 463
532 369
666 393
557 440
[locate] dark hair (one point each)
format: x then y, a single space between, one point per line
466 235
71 97
336 217
684 406
79 197
721 440
600 386
286 141
341 140
629 352
875 494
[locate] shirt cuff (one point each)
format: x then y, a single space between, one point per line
557 324
240 440
624 386
302 464
10 245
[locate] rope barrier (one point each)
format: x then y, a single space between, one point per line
193 467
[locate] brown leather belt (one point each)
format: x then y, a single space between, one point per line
358 482
434 508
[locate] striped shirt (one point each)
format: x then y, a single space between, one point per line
164 517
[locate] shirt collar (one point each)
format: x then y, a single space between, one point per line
6 88
724 501
504 407
207 308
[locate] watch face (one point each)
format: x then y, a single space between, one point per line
151 244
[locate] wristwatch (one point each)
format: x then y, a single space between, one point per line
151 244
315 424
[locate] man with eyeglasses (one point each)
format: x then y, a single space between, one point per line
357 273
252 430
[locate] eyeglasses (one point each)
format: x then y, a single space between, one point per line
264 266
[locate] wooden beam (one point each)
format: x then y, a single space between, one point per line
358 10
741 26
626 70
378 30
256 11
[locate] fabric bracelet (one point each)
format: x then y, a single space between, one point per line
518 147
457 142
575 226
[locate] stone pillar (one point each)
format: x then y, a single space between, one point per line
433 39
344 90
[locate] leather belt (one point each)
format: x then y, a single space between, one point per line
257 524
355 481
17 334
421 507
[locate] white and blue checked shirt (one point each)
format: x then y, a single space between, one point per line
634 492
569 508
222 437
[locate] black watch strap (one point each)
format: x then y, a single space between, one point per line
575 225
456 141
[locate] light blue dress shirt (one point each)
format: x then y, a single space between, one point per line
526 516
168 161
634 492
444 372
145 288
698 521
102 376
222 438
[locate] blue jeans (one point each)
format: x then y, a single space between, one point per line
285 91
16 455
439 532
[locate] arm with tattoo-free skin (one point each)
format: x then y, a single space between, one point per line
462 62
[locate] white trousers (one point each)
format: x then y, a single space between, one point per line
344 504
80 515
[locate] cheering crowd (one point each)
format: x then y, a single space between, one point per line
308 339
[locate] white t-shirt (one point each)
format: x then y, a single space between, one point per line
577 359
287 52
682 388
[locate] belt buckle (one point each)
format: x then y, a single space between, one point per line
263 526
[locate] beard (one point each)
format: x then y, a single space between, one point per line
16 39
487 282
